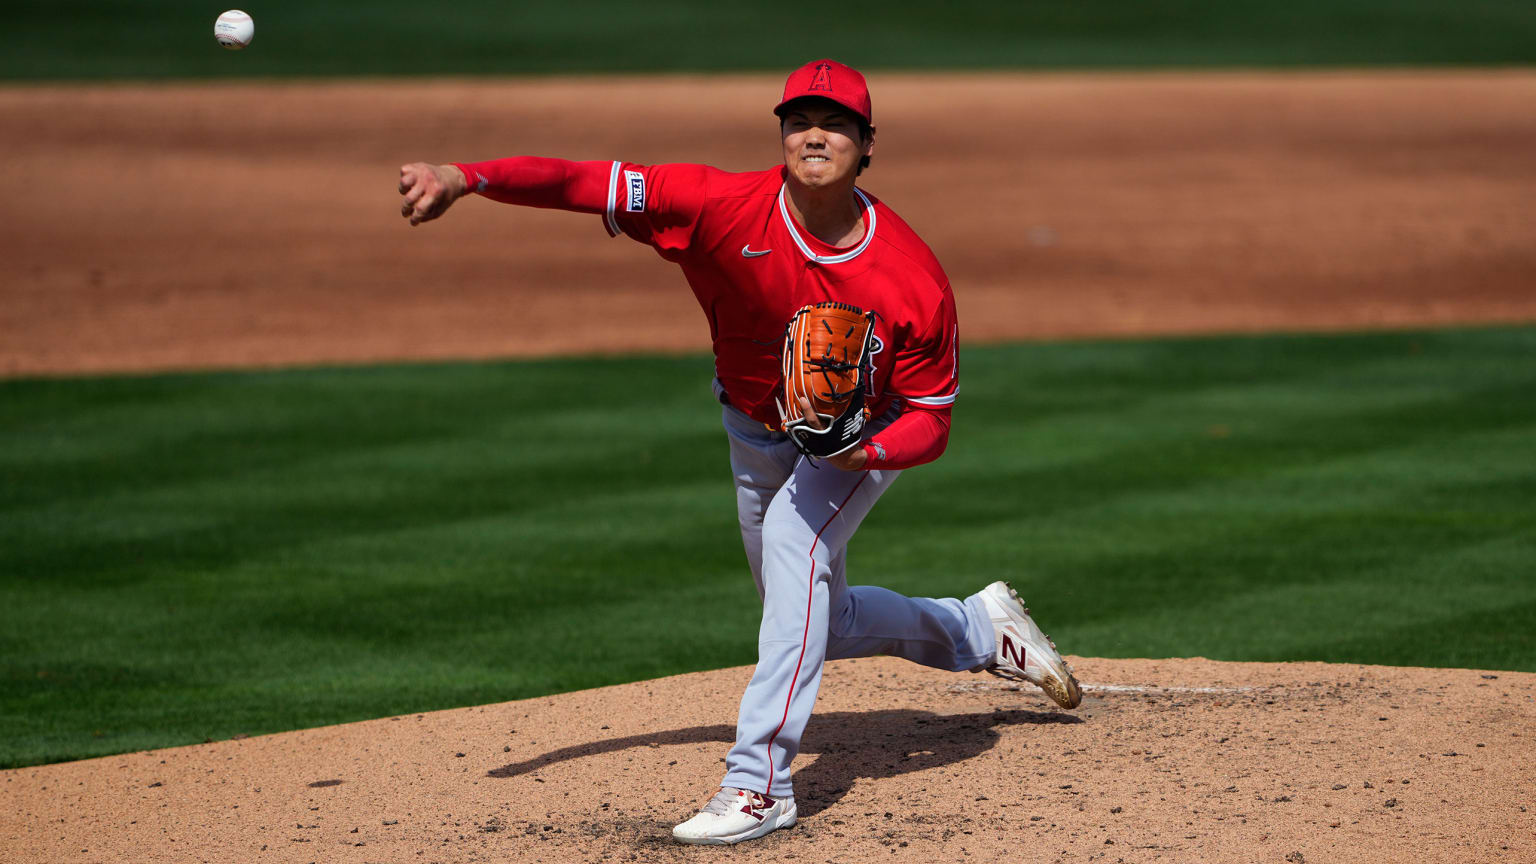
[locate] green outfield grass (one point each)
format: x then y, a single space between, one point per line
194 556
159 38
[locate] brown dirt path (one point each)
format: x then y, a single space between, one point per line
1175 761
184 226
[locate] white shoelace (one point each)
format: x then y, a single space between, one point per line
721 803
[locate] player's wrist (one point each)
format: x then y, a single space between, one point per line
870 454
459 178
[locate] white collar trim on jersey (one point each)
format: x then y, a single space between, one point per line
794 232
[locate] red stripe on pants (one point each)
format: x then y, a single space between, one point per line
810 596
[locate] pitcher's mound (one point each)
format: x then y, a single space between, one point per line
1166 760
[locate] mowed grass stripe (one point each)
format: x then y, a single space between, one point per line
196 556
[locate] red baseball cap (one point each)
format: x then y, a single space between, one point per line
828 79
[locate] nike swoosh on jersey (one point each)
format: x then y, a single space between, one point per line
746 251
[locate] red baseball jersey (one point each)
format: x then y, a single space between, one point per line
750 266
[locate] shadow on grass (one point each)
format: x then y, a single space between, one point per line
865 744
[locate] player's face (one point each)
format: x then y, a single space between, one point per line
823 144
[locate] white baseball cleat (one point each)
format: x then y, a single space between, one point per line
1023 652
734 815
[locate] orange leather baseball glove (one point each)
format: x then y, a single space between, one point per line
826 353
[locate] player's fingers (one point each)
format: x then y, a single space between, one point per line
809 413
424 210
412 196
408 178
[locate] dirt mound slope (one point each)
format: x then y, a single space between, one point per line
236 224
1166 760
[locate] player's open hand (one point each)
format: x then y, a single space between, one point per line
849 460
428 190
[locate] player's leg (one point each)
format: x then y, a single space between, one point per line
808 520
761 462
989 630
865 620
944 633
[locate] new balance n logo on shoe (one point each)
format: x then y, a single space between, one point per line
755 805
1012 651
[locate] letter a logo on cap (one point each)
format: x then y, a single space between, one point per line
823 79
815 79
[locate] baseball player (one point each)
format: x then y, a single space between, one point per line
755 247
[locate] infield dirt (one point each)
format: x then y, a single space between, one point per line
1175 761
185 227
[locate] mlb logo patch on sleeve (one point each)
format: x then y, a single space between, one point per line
635 181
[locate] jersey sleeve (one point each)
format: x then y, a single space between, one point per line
535 181
926 373
659 205
914 438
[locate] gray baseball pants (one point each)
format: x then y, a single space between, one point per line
797 517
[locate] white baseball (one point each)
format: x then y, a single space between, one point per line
234 29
